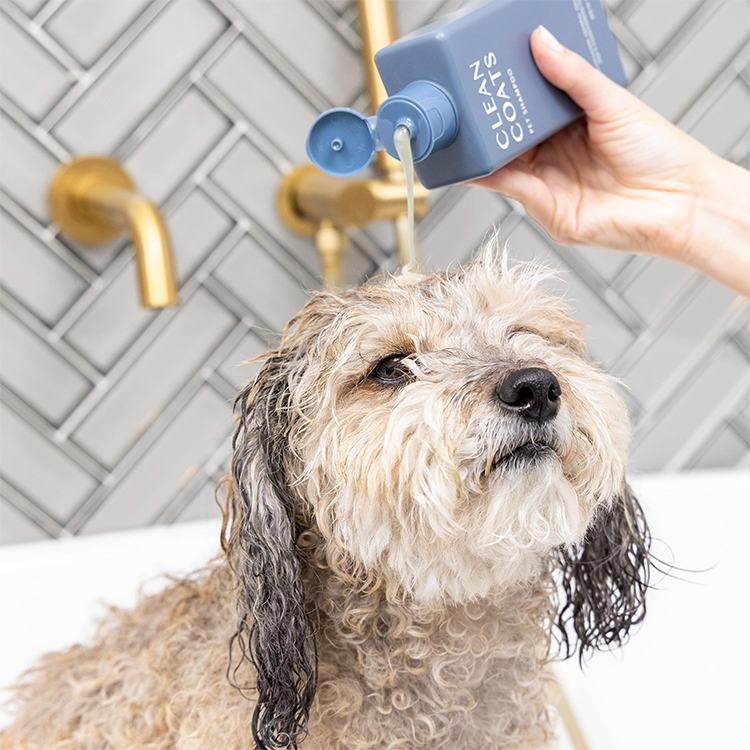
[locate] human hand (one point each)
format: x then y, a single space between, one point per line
626 178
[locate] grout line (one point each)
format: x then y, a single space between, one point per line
701 356
690 450
156 429
678 302
30 510
146 339
47 11
301 84
334 20
175 95
282 255
40 136
46 236
47 430
280 160
108 58
47 335
183 498
45 40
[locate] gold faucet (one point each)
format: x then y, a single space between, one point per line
314 203
93 199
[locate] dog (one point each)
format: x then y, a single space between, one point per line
427 493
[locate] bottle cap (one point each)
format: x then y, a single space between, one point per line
341 142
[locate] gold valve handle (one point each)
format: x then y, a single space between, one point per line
93 200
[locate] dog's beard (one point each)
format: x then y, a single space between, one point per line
440 513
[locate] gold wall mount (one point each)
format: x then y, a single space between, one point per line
93 199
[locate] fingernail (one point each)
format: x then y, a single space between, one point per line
549 39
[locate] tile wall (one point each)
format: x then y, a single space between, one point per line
115 417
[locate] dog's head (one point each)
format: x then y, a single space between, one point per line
444 440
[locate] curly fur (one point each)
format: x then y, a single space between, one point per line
390 568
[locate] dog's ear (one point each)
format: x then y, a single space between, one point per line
274 631
605 579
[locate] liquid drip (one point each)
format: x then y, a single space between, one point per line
402 143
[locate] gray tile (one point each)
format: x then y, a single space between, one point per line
27 169
411 14
250 179
455 237
169 465
33 274
653 288
689 409
100 256
204 506
39 469
171 360
113 321
16 528
262 284
175 147
36 372
699 61
29 6
339 5
196 227
630 65
310 44
722 451
253 182
264 96
156 60
655 22
727 120
607 263
236 368
31 77
88 27
666 354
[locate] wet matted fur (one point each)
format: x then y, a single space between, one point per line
394 541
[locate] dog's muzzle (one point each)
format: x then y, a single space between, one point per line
533 393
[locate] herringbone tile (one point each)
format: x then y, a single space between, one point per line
117 417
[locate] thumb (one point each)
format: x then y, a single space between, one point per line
598 96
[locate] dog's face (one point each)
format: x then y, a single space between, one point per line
442 439
452 432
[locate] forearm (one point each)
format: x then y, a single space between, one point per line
720 240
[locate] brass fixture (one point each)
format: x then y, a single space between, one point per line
311 201
93 199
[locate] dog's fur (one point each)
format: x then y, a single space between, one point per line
391 572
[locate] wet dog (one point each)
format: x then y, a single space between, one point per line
427 492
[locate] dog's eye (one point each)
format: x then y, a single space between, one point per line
391 370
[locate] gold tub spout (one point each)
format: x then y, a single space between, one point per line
93 199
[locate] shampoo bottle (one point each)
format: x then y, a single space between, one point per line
469 91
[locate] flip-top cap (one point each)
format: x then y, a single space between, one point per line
341 142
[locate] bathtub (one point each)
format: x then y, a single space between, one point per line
682 683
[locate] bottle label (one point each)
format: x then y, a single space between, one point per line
506 112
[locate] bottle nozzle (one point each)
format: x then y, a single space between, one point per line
343 141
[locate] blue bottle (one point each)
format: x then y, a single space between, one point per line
469 91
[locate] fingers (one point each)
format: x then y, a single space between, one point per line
513 180
599 97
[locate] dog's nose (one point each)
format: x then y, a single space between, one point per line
533 393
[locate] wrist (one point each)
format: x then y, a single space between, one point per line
719 241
